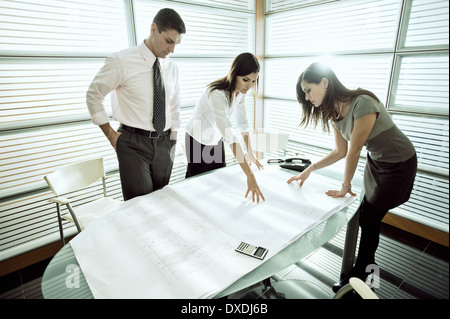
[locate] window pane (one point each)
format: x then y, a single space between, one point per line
422 84
44 91
26 158
332 27
62 27
276 5
235 4
196 74
428 24
430 138
428 204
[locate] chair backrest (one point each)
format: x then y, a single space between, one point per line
75 176
269 142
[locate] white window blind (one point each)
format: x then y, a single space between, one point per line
429 202
224 33
235 4
430 138
428 24
345 26
26 158
422 84
282 5
195 74
62 27
43 91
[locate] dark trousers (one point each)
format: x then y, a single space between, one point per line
203 158
145 164
370 222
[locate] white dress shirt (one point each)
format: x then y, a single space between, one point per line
128 75
210 120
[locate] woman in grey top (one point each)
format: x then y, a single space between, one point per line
358 116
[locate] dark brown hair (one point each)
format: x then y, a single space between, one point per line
244 64
336 92
167 19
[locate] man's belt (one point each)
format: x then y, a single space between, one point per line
150 134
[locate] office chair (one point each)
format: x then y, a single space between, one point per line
269 142
74 177
357 285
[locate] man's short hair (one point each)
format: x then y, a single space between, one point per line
167 19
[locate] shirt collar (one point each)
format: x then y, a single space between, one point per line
147 54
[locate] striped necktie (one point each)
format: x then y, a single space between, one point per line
159 100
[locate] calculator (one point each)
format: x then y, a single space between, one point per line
251 250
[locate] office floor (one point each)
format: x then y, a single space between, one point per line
411 268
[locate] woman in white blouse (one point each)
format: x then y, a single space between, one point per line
210 124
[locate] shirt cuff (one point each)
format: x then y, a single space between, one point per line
100 118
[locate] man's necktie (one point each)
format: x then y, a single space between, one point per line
159 100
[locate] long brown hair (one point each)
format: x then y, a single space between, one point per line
244 64
336 92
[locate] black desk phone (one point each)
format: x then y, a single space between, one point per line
296 164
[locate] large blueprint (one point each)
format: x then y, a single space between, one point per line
179 242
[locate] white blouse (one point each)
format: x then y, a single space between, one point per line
211 122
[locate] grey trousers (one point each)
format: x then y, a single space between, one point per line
145 164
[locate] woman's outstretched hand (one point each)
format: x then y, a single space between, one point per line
340 193
254 189
252 159
300 177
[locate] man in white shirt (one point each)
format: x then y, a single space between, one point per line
144 152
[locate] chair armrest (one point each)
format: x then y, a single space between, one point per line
59 200
362 289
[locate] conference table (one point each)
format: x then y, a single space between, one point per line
64 277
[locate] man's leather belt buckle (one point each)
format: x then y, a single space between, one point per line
153 134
